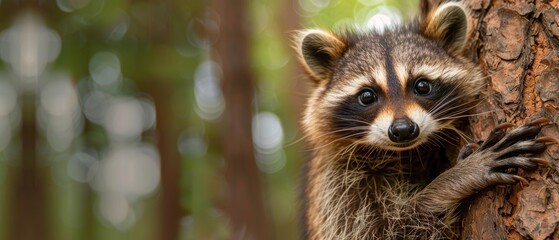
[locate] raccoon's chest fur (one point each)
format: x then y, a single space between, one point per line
358 195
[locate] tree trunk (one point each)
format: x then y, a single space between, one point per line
159 87
28 213
167 135
243 194
28 204
516 44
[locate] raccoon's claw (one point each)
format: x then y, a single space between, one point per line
519 134
504 126
524 147
550 140
496 134
520 179
539 121
513 162
502 178
506 178
541 161
467 150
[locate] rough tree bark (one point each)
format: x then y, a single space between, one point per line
516 43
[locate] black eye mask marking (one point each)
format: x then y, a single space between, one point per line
351 118
437 97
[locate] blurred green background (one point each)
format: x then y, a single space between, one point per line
117 121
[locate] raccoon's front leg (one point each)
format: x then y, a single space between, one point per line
485 166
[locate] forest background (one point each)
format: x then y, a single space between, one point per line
119 118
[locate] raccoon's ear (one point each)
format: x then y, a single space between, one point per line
317 50
449 24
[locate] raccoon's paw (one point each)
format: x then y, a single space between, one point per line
503 150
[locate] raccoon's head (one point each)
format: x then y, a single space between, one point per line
392 90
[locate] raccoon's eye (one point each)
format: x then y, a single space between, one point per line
422 86
367 97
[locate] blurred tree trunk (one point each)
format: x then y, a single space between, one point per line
167 135
28 213
516 44
290 21
160 87
243 194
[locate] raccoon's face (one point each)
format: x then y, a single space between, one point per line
394 90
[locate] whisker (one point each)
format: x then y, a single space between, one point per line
337 140
436 105
460 133
364 128
469 115
352 120
444 109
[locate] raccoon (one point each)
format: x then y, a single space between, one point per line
384 122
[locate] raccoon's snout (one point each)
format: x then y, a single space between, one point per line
403 130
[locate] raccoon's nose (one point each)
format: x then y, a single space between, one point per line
403 130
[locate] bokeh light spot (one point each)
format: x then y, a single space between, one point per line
82 167
267 132
28 46
207 92
191 145
59 116
71 5
8 98
104 68
115 208
313 6
95 106
131 171
120 27
124 119
272 162
59 98
149 118
384 17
